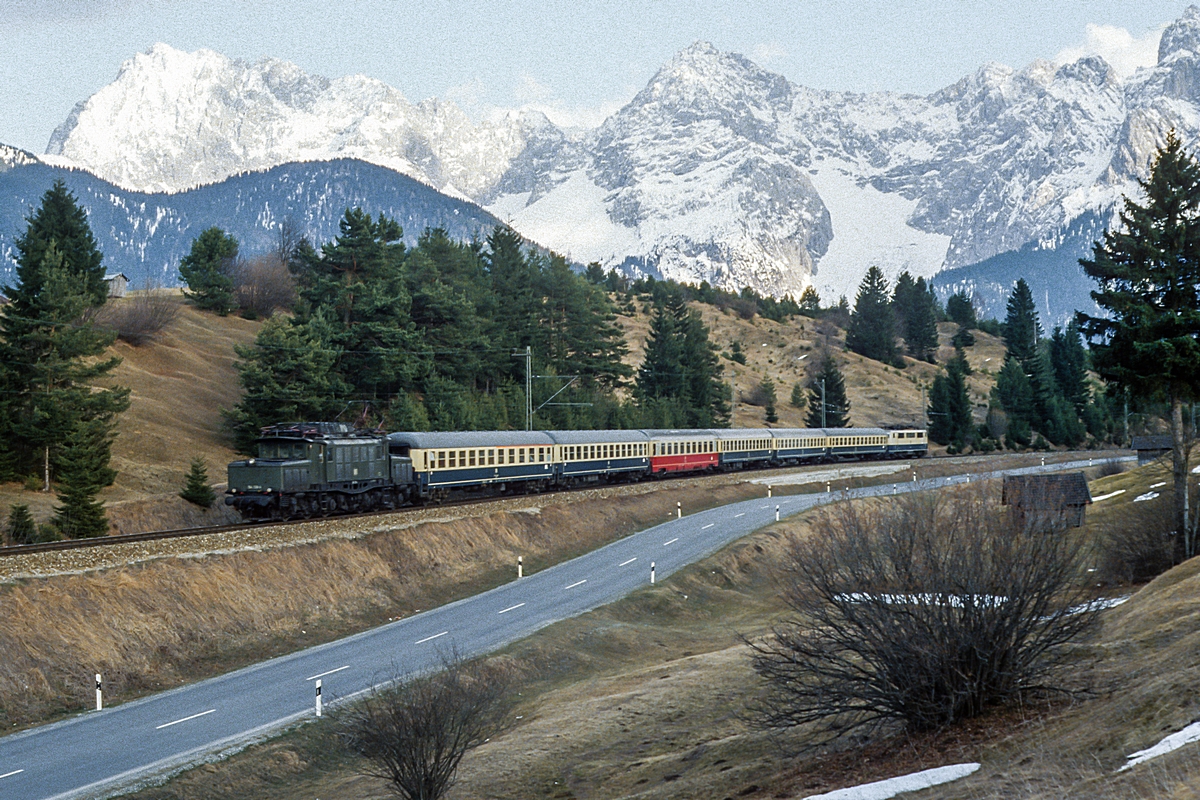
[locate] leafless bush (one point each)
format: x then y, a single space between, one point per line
1109 468
921 613
137 317
263 284
415 735
1137 541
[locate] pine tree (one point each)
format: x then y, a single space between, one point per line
903 300
1148 274
798 399
837 406
735 353
50 352
810 302
196 489
872 332
207 270
1022 330
681 365
20 528
661 372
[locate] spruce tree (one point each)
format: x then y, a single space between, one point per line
288 375
20 527
950 419
1070 365
1148 273
904 300
837 405
766 389
961 310
207 270
798 399
196 489
872 332
681 367
50 352
1014 394
1022 331
82 473
921 333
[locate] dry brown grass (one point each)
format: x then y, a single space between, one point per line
167 621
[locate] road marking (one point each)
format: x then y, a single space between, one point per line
510 608
630 561
764 506
323 674
431 638
676 539
185 719
709 525
735 516
577 583
10 774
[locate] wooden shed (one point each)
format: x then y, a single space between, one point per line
1150 448
118 284
1046 502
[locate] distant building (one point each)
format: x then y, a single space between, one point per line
117 283
1046 502
1150 448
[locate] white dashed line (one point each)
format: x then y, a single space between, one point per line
323 674
577 583
10 774
630 561
185 719
735 516
510 608
709 525
431 638
676 539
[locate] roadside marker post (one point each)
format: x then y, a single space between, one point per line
777 513
318 698
520 568
678 510
769 487
827 487
894 489
651 573
99 694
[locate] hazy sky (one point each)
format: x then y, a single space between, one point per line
576 60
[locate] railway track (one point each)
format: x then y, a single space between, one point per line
148 536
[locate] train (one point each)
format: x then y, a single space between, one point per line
318 469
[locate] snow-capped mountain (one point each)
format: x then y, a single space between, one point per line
718 170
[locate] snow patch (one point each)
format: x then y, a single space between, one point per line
1173 742
1106 496
816 476
870 228
1146 496
571 219
884 790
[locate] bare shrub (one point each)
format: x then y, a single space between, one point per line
415 735
1109 468
137 317
262 285
921 612
1137 541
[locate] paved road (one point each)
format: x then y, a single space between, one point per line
96 753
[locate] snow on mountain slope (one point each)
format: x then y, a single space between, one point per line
717 170
173 120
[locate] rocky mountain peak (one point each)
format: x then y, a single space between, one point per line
1181 35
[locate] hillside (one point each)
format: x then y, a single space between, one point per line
182 379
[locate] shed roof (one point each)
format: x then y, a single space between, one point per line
1156 442
1031 491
